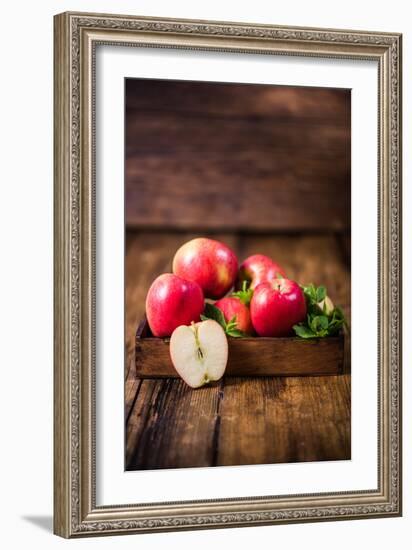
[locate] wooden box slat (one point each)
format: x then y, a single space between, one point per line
249 356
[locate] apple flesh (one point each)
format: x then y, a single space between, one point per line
258 269
199 352
172 301
233 306
276 306
210 263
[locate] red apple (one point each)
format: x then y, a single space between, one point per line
276 306
210 263
258 269
171 302
232 306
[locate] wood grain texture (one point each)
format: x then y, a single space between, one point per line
239 420
275 419
249 356
172 426
236 157
233 101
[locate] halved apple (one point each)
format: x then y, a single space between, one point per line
199 352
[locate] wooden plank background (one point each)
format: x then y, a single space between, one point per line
238 157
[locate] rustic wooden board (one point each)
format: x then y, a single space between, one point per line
249 356
274 420
235 157
239 421
172 426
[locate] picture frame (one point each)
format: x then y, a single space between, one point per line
76 510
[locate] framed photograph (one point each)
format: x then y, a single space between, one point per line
227 274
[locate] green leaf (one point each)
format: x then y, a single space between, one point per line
214 313
230 328
318 324
322 321
303 331
340 316
313 324
231 325
244 295
309 292
235 333
320 293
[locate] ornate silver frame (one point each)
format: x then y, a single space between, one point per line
76 36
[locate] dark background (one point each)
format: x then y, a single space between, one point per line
265 169
213 156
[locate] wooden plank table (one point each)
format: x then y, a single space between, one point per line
238 420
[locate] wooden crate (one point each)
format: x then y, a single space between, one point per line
249 356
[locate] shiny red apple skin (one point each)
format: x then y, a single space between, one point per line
258 269
277 306
171 302
210 263
232 306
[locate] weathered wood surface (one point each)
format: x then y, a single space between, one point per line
284 420
238 420
249 356
237 157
